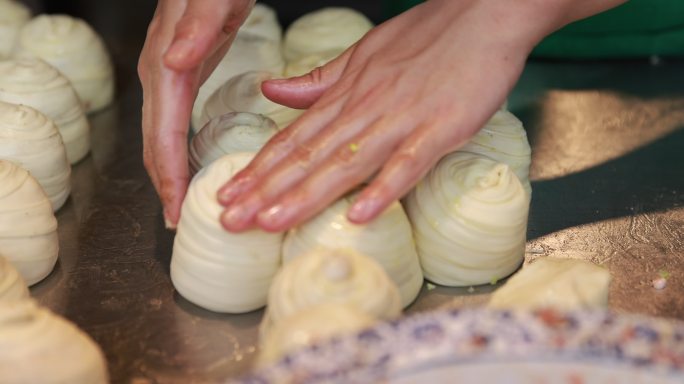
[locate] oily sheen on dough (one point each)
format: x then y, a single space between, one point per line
257 47
211 267
75 49
565 284
28 227
469 217
332 29
388 240
340 276
37 346
504 139
35 83
31 140
311 326
12 285
13 15
230 133
243 93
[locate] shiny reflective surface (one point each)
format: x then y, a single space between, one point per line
608 181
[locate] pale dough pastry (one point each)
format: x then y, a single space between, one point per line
311 326
73 47
37 346
211 267
231 133
565 284
35 83
243 93
28 227
504 139
387 239
306 64
13 15
12 285
340 276
469 217
325 30
31 140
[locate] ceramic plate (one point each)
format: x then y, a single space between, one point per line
487 346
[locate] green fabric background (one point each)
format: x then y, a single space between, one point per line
637 28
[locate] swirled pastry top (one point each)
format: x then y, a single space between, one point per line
388 240
327 29
24 208
262 21
340 276
12 285
30 139
37 346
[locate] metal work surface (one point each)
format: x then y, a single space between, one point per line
608 181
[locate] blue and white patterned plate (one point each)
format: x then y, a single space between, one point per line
493 346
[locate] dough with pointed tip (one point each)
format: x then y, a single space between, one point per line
28 227
31 140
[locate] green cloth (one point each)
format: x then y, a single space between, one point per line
637 28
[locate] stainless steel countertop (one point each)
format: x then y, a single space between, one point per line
608 181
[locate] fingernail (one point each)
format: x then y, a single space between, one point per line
362 210
234 217
275 216
231 191
180 49
167 222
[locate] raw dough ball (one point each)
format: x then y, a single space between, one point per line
504 139
257 47
28 227
31 140
310 326
37 346
308 63
211 267
231 133
73 47
37 84
340 276
242 93
12 286
387 239
13 15
469 217
328 29
565 284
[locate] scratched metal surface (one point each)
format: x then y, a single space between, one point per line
608 172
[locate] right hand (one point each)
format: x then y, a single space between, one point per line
185 42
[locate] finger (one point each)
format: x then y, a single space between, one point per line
407 165
169 146
205 25
350 164
303 91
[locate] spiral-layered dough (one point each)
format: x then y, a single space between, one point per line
565 284
12 285
257 47
469 217
211 267
310 326
230 133
504 139
31 140
242 93
13 15
340 276
28 227
326 30
387 239
37 346
73 47
37 84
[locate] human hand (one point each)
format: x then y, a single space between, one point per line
185 41
413 89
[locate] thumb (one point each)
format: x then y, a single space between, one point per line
302 91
